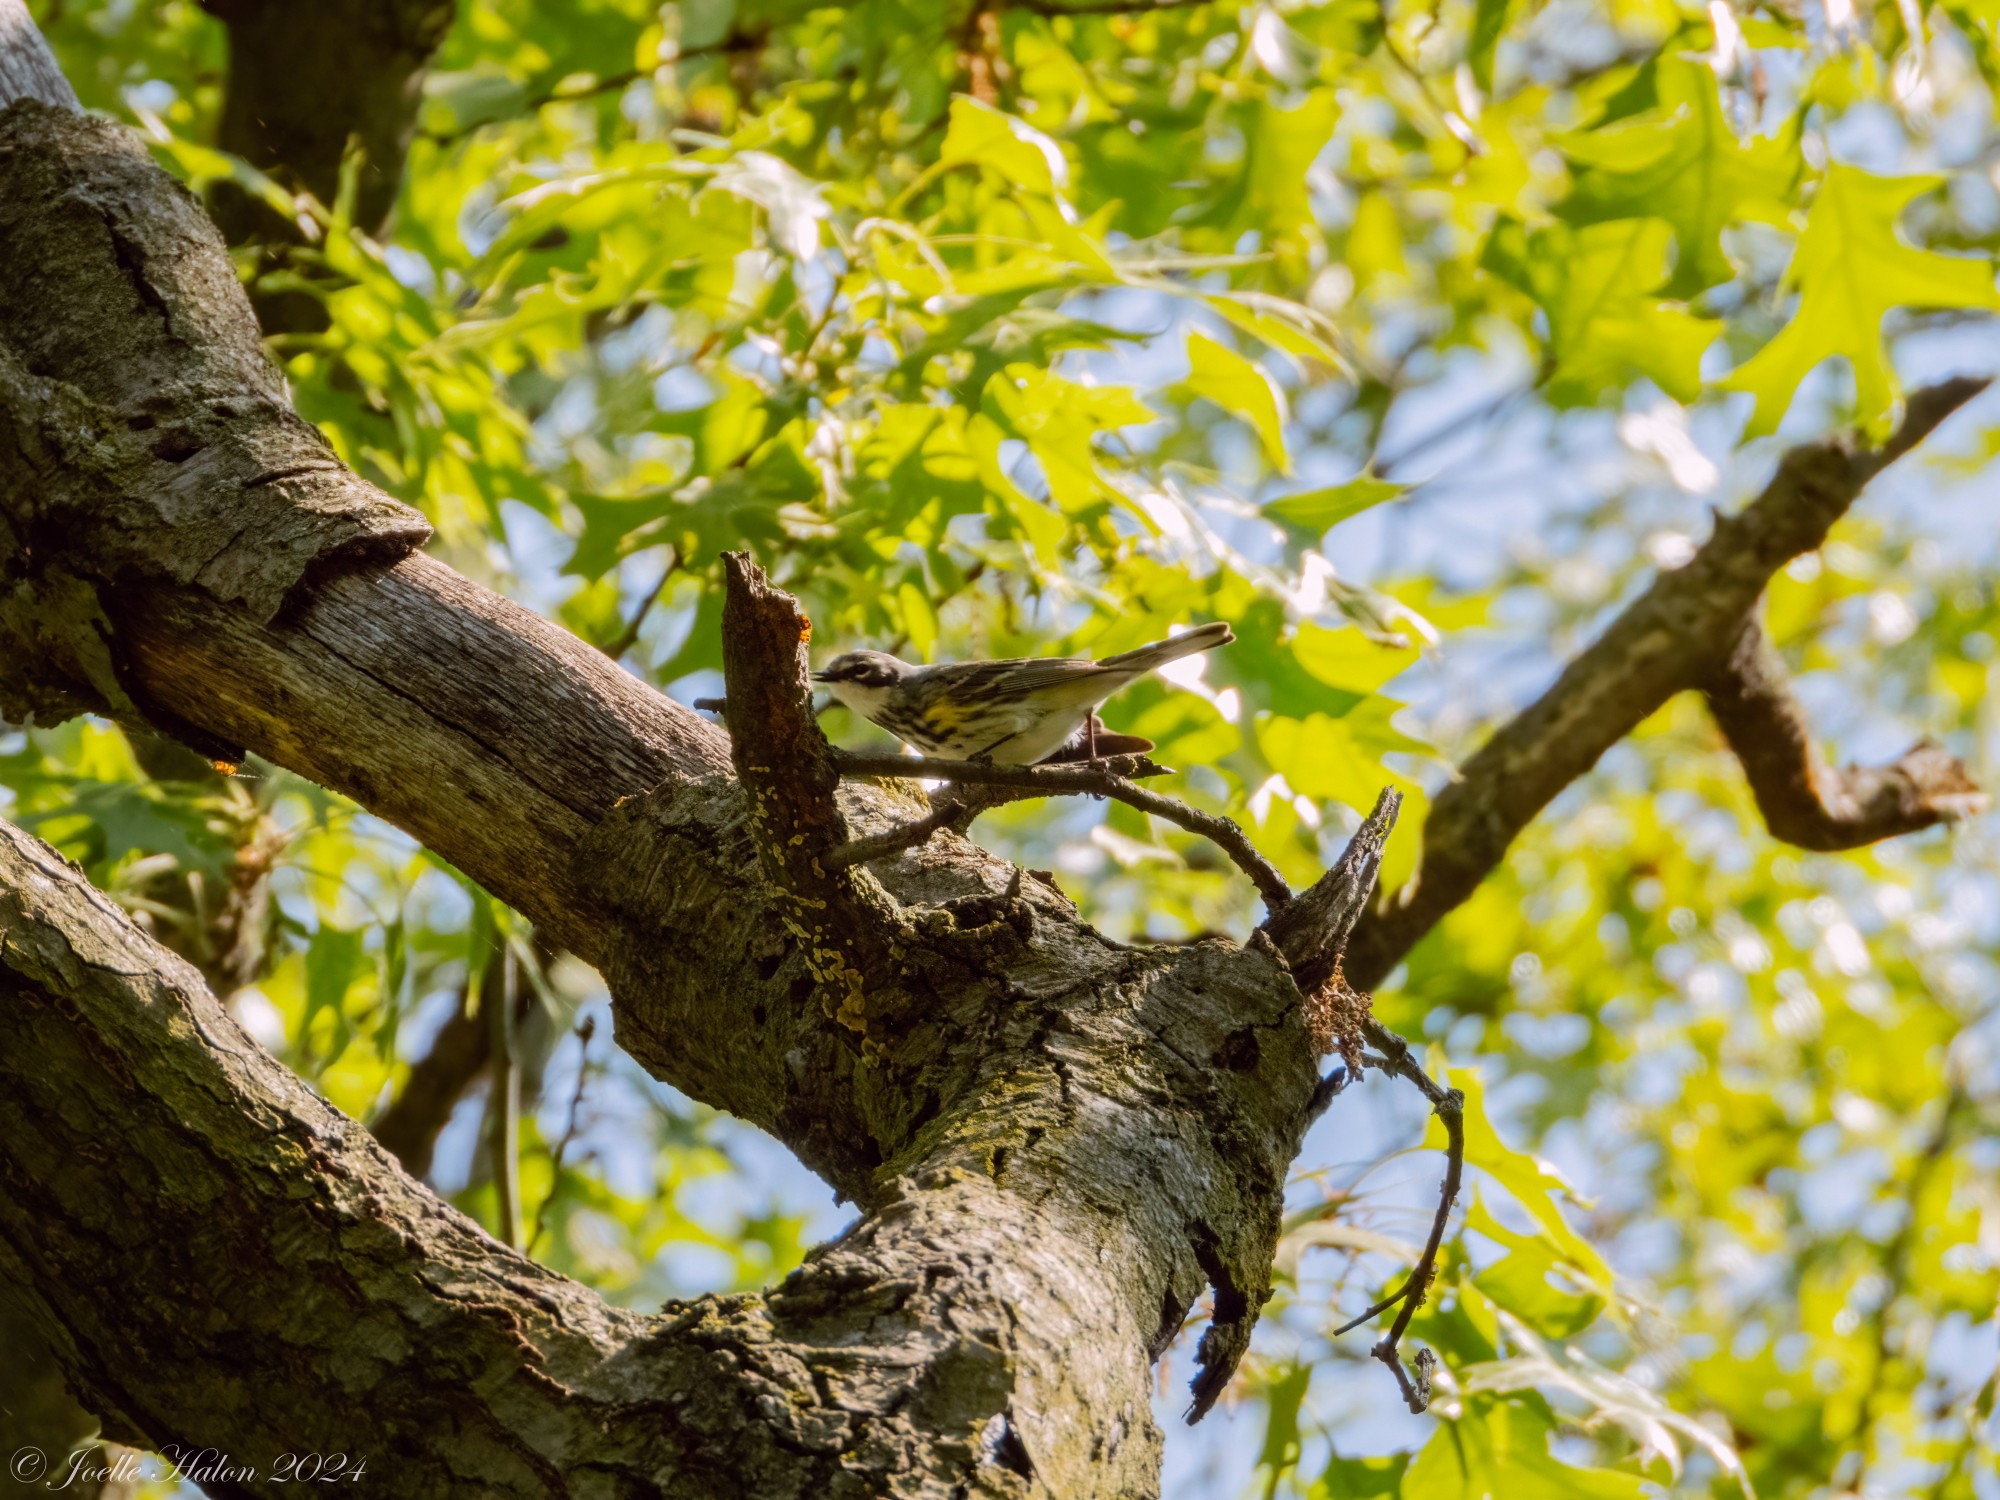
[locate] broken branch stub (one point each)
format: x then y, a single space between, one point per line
844 922
1312 930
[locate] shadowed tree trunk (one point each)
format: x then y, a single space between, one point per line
308 83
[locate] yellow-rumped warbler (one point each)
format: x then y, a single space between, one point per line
1013 712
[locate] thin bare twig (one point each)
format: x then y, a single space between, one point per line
1110 778
628 635
1393 1056
585 1030
955 812
1897 1255
503 1110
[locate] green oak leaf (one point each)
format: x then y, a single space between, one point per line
1362 1478
1503 1451
1236 385
1607 321
1851 267
982 135
1312 512
1682 163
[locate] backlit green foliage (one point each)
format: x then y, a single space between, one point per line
1001 330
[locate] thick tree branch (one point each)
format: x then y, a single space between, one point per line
1804 800
1057 1143
1667 641
28 70
143 431
460 1365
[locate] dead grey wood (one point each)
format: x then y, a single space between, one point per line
28 70
1313 931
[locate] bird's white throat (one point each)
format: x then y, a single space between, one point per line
863 699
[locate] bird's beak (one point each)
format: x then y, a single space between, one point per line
821 677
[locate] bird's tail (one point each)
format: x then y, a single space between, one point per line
1187 643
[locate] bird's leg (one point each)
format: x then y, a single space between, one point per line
1090 737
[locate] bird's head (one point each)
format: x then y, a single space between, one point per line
862 679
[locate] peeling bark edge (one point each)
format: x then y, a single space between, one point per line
144 434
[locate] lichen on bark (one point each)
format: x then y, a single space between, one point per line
145 436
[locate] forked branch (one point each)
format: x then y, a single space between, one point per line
1804 800
1674 637
1109 778
1393 1056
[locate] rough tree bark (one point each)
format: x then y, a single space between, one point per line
1056 1143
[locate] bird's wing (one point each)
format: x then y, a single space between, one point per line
1009 675
1087 681
1059 681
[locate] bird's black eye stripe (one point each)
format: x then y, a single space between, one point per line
861 673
